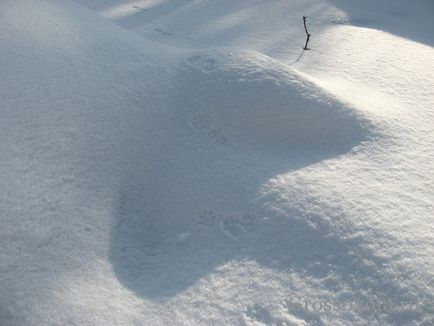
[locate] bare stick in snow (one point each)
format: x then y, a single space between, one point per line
307 33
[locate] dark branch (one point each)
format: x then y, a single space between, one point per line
307 33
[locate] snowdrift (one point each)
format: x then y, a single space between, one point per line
74 92
234 121
257 101
143 183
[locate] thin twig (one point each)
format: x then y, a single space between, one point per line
307 33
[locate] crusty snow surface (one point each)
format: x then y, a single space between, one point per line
185 162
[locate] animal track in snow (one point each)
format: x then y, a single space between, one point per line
231 223
162 32
207 218
204 62
203 124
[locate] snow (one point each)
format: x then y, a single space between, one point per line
186 162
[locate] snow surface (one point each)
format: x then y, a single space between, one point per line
186 162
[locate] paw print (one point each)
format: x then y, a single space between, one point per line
203 62
207 218
200 122
248 220
231 223
209 64
216 135
236 223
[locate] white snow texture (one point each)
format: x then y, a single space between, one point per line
186 162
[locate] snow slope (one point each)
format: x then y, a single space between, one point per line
188 163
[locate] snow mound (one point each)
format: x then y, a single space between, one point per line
253 100
233 121
144 183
